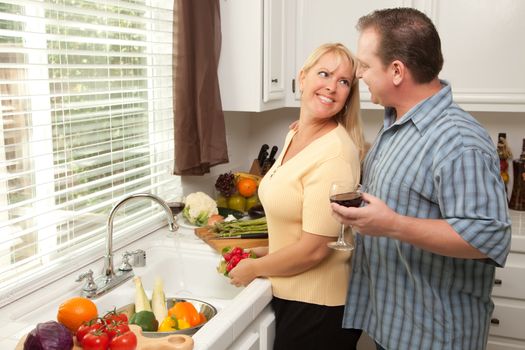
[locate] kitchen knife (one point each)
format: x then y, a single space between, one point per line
271 157
245 236
263 153
269 161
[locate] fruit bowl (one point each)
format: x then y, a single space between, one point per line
207 309
233 212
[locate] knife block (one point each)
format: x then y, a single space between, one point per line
256 168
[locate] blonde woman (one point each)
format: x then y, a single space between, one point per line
309 280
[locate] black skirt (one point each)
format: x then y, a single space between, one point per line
305 326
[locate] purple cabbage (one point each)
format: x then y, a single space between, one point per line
49 335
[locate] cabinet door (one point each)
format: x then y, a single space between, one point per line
274 50
507 318
510 280
482 43
247 341
251 65
240 63
267 328
320 22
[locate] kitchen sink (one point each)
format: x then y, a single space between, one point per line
188 268
187 273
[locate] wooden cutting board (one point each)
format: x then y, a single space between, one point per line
170 342
209 237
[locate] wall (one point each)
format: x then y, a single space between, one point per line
238 139
271 127
246 132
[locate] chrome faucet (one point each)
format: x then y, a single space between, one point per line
111 278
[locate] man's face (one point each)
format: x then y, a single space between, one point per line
371 70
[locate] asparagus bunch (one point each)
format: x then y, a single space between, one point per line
240 227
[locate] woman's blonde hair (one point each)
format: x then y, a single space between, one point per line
350 114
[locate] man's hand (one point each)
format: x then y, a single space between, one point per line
374 219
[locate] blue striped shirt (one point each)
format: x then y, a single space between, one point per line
436 162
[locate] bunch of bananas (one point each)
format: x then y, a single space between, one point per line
241 175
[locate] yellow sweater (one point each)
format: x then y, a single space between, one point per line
295 199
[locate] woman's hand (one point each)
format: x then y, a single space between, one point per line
243 273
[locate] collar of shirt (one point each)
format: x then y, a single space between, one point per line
424 113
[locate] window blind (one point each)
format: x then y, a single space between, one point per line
87 118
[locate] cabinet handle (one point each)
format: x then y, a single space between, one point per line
494 321
275 80
498 282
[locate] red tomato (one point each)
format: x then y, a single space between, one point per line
95 340
113 316
116 329
126 341
85 328
236 251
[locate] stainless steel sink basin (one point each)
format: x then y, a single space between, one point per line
206 308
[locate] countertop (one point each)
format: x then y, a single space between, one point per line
251 300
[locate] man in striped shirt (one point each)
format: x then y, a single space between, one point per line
436 222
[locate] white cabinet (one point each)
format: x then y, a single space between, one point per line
482 43
319 22
506 329
251 65
259 335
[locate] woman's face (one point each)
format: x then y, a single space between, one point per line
326 85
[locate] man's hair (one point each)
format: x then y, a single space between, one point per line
407 35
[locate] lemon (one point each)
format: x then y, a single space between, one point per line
237 202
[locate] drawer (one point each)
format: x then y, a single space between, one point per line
507 319
510 280
497 343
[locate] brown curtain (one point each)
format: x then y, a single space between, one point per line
200 136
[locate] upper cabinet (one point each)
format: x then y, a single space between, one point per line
319 22
484 49
252 61
265 43
482 43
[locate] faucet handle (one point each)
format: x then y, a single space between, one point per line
139 260
125 265
90 285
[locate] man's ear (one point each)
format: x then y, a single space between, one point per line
398 70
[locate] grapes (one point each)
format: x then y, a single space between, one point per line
225 184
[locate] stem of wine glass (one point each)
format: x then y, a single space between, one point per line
341 239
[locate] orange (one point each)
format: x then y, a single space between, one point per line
184 310
75 311
247 187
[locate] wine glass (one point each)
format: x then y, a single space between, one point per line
348 195
176 207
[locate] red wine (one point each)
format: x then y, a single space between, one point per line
348 199
176 207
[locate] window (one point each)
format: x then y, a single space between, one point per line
86 106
